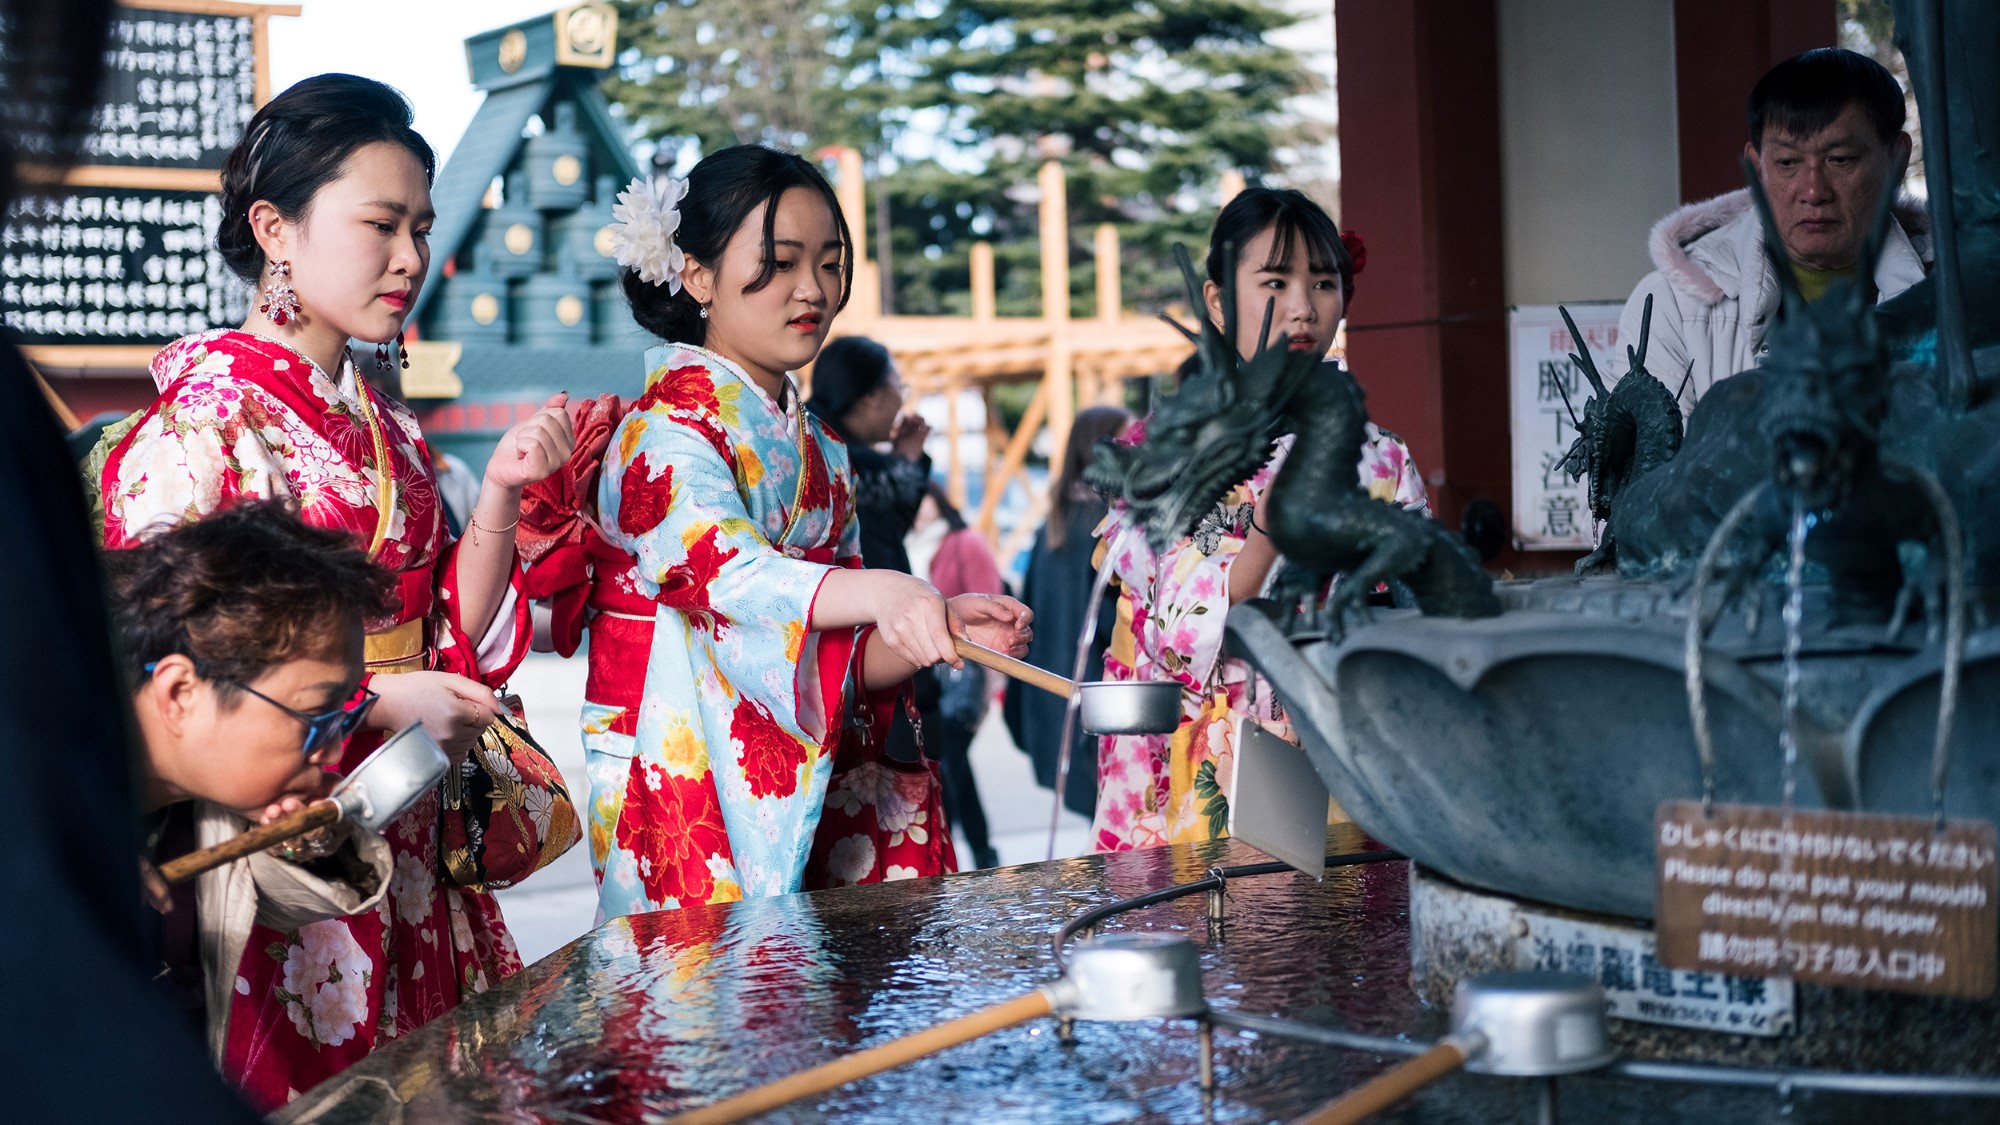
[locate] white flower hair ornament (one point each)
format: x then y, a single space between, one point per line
646 218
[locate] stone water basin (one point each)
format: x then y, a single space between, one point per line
656 1013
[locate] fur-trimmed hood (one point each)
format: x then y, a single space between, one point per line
1709 249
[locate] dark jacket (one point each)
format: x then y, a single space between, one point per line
887 492
1057 588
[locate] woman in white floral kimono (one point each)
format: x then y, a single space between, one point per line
1159 789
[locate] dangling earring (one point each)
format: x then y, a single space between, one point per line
382 357
403 350
704 311
280 303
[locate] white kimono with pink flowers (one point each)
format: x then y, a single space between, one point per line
1169 788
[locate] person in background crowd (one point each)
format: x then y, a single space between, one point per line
956 560
75 933
858 392
1057 587
1284 254
240 638
1826 132
326 204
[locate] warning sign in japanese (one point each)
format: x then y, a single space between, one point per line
1878 902
1548 392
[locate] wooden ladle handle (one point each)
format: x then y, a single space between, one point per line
1393 1085
262 836
1018 669
874 1060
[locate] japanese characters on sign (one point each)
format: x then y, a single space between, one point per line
1637 986
1878 902
1550 512
178 89
115 265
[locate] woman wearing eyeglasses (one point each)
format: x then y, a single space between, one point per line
241 640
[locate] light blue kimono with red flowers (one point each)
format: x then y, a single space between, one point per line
734 509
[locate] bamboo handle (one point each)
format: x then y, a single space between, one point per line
874 1060
1018 669
1392 1086
258 838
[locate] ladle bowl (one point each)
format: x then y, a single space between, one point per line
1133 976
1103 706
405 767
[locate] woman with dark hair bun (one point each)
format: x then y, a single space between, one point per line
724 590
1278 251
326 206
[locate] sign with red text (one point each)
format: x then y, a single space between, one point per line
1547 392
1853 899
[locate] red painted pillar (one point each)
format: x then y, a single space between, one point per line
1721 49
1418 84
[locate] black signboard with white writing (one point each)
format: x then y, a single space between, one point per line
178 89
115 266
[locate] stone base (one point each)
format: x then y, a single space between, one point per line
1456 931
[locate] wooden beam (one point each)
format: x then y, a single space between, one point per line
1011 462
64 414
1109 295
125 359
1055 307
213 7
148 179
1232 185
982 282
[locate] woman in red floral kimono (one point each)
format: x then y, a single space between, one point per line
721 573
327 198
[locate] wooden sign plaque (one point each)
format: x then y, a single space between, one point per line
1853 899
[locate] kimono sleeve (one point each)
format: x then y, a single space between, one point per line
674 506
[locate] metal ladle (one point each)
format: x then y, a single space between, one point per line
405 767
1106 706
1522 1024
1137 976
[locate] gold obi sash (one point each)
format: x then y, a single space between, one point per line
399 648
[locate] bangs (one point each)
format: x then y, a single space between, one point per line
1325 253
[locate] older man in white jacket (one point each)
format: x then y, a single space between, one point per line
1826 129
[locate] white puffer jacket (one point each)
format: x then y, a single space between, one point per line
1714 292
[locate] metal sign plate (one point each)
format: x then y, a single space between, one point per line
1277 802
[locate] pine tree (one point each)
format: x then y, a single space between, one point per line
956 103
723 72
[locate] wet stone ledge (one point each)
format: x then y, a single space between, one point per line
656 1013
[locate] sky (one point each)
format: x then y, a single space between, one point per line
418 46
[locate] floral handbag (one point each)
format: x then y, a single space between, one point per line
884 820
518 816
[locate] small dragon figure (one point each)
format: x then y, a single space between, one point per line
1220 426
1624 433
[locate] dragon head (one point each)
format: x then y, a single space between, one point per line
1212 432
1828 363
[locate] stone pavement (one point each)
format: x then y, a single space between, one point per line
559 903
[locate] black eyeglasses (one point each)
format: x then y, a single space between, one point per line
321 729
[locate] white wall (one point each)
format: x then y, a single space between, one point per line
1590 158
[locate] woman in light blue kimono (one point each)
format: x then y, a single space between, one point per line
729 607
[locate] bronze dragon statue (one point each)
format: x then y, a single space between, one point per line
1221 425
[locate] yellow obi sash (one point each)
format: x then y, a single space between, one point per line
399 648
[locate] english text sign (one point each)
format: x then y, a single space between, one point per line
1865 901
